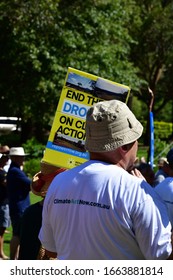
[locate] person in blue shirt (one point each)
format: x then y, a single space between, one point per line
18 186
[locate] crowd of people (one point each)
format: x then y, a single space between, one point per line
110 207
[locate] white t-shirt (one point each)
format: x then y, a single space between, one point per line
165 190
100 211
159 177
7 166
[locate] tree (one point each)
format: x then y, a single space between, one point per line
153 52
41 39
127 41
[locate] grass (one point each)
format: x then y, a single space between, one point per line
7 236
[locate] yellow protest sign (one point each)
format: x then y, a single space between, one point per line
66 143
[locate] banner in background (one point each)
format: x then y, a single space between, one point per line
151 159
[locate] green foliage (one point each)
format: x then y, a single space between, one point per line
50 36
163 130
35 152
12 139
160 147
139 109
127 41
34 148
32 166
153 52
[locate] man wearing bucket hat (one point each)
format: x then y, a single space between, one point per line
18 185
99 210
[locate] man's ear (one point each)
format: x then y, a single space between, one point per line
127 147
123 150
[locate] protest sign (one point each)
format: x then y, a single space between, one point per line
66 143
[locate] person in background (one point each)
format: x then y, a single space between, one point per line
30 245
4 207
147 171
98 210
165 188
5 151
18 186
162 172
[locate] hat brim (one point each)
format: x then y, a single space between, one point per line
18 155
42 180
38 186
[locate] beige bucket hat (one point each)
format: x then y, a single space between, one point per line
109 125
